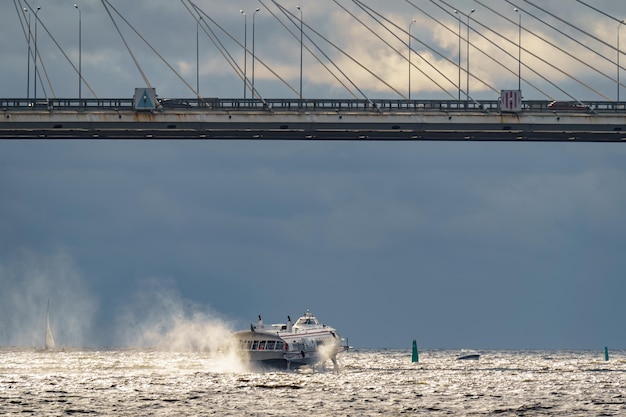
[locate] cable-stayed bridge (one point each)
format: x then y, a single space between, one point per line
463 104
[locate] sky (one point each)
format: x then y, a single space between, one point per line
457 244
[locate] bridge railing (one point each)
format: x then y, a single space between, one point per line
238 104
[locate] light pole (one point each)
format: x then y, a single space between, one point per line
35 59
28 62
458 15
519 49
80 53
253 53
245 53
410 24
468 53
301 18
198 57
618 54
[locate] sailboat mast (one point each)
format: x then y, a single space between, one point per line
49 343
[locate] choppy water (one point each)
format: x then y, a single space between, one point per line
369 383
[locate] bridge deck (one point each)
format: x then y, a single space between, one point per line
284 119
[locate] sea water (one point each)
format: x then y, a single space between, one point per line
367 383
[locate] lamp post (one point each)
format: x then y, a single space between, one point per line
253 53
458 15
245 53
80 52
35 59
618 54
28 62
519 49
410 24
198 57
301 18
468 53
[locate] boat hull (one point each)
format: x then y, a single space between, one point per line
470 357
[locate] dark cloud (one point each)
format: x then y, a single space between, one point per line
412 239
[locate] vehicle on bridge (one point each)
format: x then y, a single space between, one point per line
568 106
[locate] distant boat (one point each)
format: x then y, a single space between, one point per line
468 355
49 338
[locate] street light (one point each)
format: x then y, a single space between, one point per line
245 53
80 52
198 57
35 59
468 52
458 15
301 18
253 54
28 62
618 54
410 24
519 49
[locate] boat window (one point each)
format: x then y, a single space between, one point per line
248 344
262 345
270 345
280 345
255 345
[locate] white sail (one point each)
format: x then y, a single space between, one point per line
49 338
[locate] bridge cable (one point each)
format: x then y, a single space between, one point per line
395 50
494 44
197 15
525 50
570 24
351 58
21 14
215 39
66 57
547 41
540 58
322 63
580 61
153 49
143 75
603 13
293 19
442 56
225 53
43 65
33 52
370 13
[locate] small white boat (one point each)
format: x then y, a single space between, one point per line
305 342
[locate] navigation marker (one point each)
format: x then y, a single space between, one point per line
415 356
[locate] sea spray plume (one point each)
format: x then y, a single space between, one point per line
160 318
29 279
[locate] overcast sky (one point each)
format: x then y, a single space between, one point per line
478 245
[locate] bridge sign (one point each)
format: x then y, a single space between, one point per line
511 100
145 99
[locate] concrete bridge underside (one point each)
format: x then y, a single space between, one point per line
312 125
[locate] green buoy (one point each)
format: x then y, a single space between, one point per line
606 354
415 357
